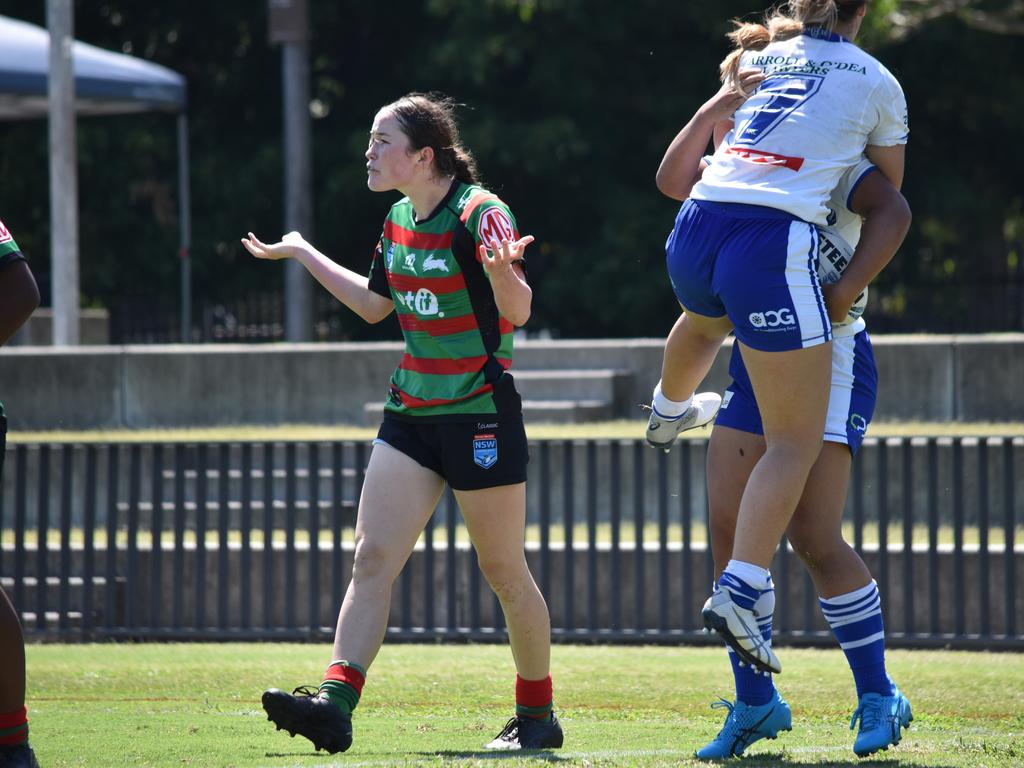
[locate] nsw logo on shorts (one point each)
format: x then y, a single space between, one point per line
485 451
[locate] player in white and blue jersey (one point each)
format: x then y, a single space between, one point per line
849 597
743 256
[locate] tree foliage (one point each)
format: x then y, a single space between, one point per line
569 106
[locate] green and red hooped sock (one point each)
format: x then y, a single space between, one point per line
534 698
13 727
343 684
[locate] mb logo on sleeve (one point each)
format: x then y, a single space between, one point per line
485 451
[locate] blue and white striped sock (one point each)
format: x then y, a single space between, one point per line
753 687
746 582
856 621
751 587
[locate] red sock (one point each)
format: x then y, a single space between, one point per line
14 727
534 698
343 684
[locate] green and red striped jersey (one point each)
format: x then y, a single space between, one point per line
457 345
8 248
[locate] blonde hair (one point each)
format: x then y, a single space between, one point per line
782 23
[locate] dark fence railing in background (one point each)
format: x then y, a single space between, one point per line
254 540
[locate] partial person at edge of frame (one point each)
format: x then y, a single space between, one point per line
451 263
19 297
742 257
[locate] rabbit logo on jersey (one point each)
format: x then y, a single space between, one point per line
485 451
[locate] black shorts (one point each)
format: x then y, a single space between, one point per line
470 455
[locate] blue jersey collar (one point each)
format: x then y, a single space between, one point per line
820 33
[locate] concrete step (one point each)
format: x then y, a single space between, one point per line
559 395
536 411
565 411
571 384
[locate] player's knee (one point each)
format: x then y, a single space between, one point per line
506 575
816 548
794 450
372 561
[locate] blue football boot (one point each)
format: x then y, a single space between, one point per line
882 719
746 724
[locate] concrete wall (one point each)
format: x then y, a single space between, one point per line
93 328
933 378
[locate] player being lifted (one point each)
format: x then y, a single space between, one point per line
849 597
744 249
450 262
19 296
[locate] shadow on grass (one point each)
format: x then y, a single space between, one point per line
491 754
775 759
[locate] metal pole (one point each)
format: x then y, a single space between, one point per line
298 187
63 175
185 229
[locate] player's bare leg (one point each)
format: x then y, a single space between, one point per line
398 497
849 600
496 519
792 390
690 351
816 530
758 711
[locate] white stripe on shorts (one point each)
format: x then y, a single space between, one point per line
804 287
843 349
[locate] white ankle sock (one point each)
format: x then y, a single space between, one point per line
670 409
754 575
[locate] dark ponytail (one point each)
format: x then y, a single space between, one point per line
428 120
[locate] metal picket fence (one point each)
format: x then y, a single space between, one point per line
254 540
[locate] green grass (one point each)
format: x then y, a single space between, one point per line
623 429
198 705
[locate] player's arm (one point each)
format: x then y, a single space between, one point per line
681 166
348 287
886 222
890 161
19 297
503 262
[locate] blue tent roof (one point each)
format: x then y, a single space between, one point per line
106 83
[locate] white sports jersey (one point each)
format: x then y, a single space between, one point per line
823 100
848 224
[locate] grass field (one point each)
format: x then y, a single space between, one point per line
198 705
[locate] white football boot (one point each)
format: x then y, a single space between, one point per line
738 627
663 430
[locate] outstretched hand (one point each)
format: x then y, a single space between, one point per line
291 245
498 256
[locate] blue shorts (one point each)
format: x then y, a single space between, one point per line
757 265
851 403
